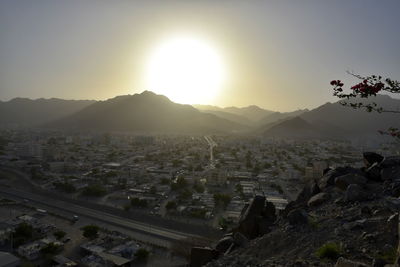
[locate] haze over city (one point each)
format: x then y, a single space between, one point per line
277 55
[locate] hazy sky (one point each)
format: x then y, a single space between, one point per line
279 55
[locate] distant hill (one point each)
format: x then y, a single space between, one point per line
277 116
145 112
246 115
27 112
253 112
293 128
229 116
333 120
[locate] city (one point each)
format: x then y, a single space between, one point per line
152 191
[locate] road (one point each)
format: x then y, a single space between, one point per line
212 144
96 215
146 228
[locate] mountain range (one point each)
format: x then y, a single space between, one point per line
145 113
27 112
151 113
333 120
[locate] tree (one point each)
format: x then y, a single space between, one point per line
267 165
59 234
239 188
65 187
165 181
142 254
50 249
137 202
180 183
223 223
153 190
198 187
185 194
369 86
22 233
171 205
223 199
90 231
94 190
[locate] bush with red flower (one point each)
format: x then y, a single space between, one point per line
369 86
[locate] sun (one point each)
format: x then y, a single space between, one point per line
185 69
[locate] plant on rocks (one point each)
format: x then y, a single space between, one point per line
330 250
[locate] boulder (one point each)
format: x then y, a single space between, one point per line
248 223
329 178
390 173
374 172
224 244
371 158
354 192
344 181
239 239
379 263
395 189
314 188
255 208
342 262
318 199
269 212
393 224
297 216
263 225
390 162
199 256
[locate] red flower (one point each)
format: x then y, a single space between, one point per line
333 82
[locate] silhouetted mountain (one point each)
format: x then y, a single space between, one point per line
332 120
145 112
357 121
253 112
208 107
293 128
230 116
28 112
277 116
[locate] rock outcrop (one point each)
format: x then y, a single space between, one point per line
348 217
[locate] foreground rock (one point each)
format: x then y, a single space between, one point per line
342 262
354 216
257 218
200 256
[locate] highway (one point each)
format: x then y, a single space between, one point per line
97 215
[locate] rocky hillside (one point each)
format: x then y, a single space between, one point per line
347 218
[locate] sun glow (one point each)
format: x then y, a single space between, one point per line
185 69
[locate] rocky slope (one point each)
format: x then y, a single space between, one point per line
348 217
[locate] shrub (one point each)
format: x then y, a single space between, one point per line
141 254
171 205
389 255
90 231
59 234
223 199
65 187
94 190
50 249
329 250
137 202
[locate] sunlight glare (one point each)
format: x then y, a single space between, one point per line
185 69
